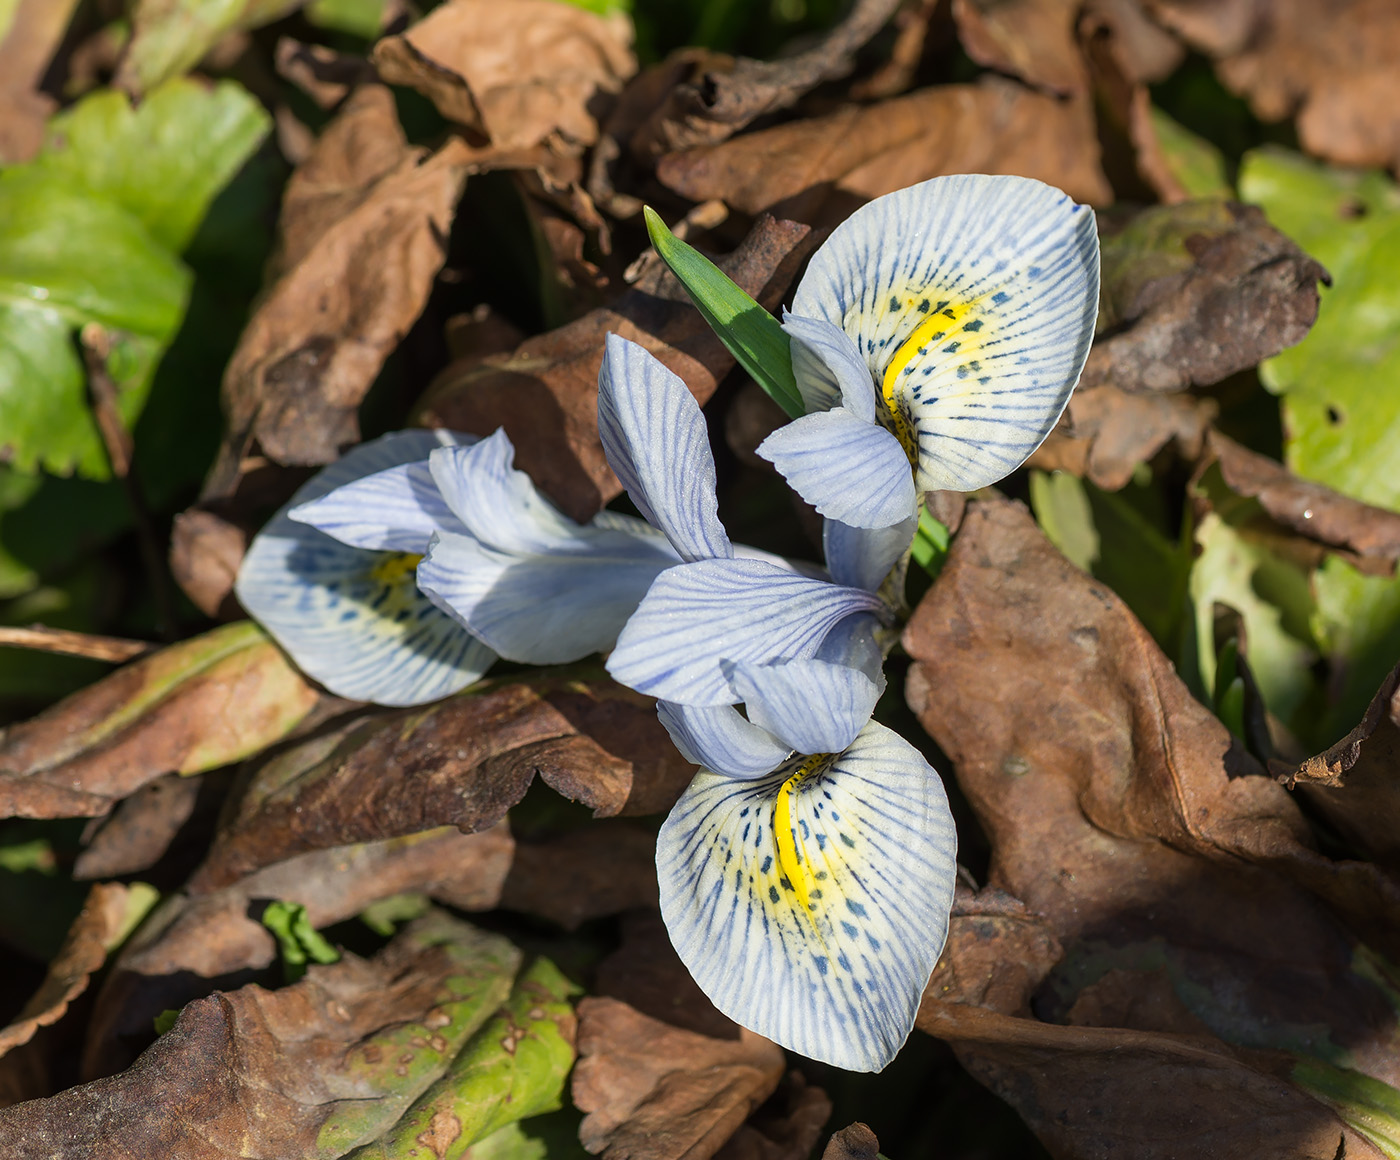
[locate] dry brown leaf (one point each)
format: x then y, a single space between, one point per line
1331 64
1309 509
653 1092
1030 39
205 552
1105 433
363 235
1356 782
1147 52
191 945
324 75
97 929
721 97
854 1142
1122 812
272 1073
35 30
192 706
141 828
545 395
1193 293
785 1128
602 869
517 73
463 761
821 168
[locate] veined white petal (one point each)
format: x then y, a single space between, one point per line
656 440
863 557
812 905
848 469
973 301
698 615
497 504
811 706
719 739
852 643
548 607
350 618
834 347
395 510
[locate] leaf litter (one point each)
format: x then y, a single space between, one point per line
1186 936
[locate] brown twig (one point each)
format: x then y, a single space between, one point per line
114 649
97 345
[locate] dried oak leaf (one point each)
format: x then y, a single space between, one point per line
463 761
191 945
1356 782
363 234
516 73
654 1092
192 706
1122 812
1309 509
545 395
27 43
107 917
1195 292
1106 432
311 1069
588 873
821 168
721 96
1030 39
1331 64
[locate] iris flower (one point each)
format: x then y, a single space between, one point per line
937 335
807 873
347 610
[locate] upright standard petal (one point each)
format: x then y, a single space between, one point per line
698 616
848 469
812 905
395 510
973 301
719 739
350 618
656 440
863 557
811 706
550 607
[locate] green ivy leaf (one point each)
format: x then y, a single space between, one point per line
754 337
89 236
299 942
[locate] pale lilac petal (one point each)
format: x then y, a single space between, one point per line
395 510
720 740
811 706
863 557
834 347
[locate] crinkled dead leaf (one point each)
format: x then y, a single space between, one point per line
108 916
1030 39
1121 810
192 706
324 75
366 218
519 73
463 761
193 944
786 1127
854 1142
313 1069
1106 432
1355 783
821 168
545 395
572 878
654 1092
1310 509
1331 65
143 827
30 32
205 552
1195 292
514 1067
169 37
721 97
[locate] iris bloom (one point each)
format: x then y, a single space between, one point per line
937 335
348 612
807 873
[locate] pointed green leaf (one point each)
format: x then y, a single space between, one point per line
754 337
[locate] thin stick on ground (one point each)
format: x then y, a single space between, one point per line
115 649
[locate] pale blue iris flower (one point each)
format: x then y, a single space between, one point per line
937 335
350 614
807 873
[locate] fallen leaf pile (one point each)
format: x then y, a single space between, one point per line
1157 668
